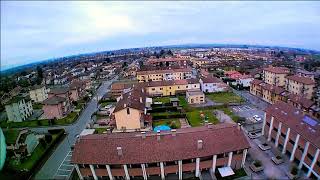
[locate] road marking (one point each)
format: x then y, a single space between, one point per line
64 170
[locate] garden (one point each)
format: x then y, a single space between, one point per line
224 97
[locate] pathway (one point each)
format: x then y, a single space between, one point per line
222 117
184 123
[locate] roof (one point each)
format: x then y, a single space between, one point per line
294 119
301 79
36 87
170 82
164 71
60 90
195 92
211 79
131 99
277 70
54 100
256 82
272 88
304 102
136 150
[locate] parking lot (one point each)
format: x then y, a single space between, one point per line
65 169
248 111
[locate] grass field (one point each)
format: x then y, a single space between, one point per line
224 97
162 99
195 119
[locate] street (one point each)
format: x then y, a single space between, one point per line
51 166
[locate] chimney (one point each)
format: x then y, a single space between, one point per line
158 135
210 125
173 132
141 100
119 151
200 144
143 135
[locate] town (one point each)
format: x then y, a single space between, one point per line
164 113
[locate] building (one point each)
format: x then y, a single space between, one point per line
130 112
56 107
157 155
117 88
271 93
275 75
38 93
212 84
295 134
164 75
19 109
20 143
255 87
301 85
171 88
243 80
77 90
304 73
195 97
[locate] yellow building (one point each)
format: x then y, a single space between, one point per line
300 85
164 75
170 88
38 93
195 97
275 75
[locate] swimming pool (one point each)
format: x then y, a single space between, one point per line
161 128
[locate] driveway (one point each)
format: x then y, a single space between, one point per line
51 166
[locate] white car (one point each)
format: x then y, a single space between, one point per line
257 118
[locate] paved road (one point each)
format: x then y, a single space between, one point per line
256 101
49 169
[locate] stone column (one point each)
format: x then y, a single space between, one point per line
286 141
180 169
270 128
305 151
264 123
197 167
244 157
125 168
214 163
93 172
315 159
78 171
144 172
230 158
109 172
162 170
294 147
278 134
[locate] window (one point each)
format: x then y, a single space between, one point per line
153 89
128 110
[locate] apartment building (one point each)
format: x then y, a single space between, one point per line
19 109
168 62
117 88
271 93
176 153
130 112
301 85
164 75
295 134
275 75
38 93
171 88
212 84
58 104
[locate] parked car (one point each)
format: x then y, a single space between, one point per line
257 118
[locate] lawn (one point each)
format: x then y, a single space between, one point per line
167 122
100 130
162 99
11 136
225 97
37 106
195 119
234 117
72 117
183 102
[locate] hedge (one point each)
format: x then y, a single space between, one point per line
169 116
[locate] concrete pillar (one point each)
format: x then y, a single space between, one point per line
162 170
144 172
230 158
286 141
315 158
197 167
264 123
78 171
214 163
109 172
278 134
294 147
93 172
305 151
125 168
270 128
244 157
180 169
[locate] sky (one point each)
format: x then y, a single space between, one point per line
37 30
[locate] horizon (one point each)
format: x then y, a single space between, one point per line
27 36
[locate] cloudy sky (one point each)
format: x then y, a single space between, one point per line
34 31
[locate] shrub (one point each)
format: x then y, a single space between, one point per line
42 142
257 163
294 170
48 138
173 125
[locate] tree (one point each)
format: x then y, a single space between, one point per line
43 142
23 83
162 53
124 64
108 60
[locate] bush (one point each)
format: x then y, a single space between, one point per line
294 170
169 116
43 142
55 131
257 163
173 125
48 138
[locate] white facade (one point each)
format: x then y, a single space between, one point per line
212 87
39 94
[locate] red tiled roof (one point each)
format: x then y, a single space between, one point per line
102 149
131 99
256 82
293 118
164 71
272 88
211 79
304 102
277 70
301 79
